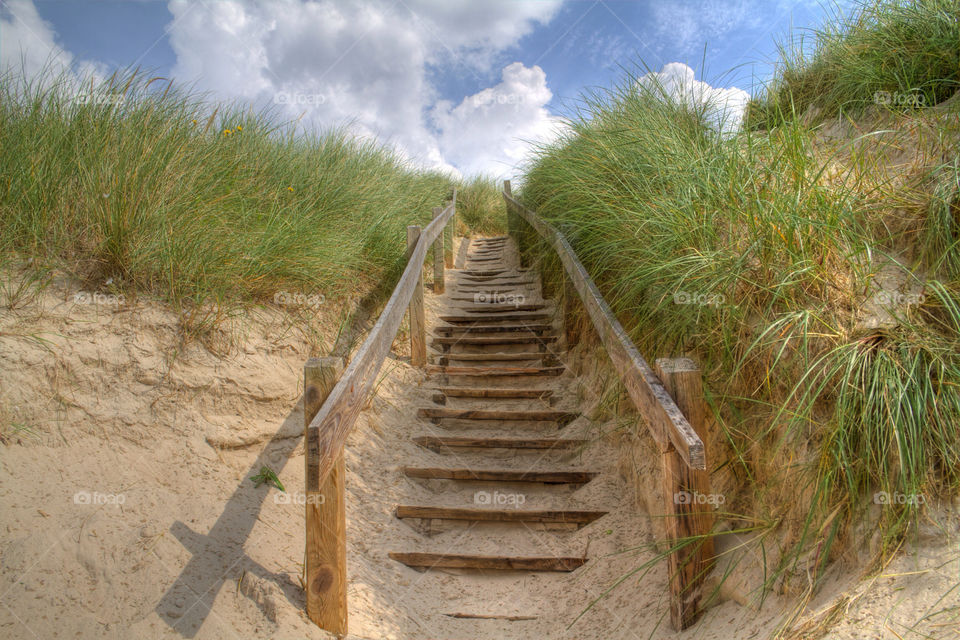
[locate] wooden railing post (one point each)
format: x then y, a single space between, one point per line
513 219
451 230
569 311
418 337
687 496
438 256
325 559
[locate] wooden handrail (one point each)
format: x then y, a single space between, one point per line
328 431
663 417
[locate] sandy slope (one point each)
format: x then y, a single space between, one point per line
130 513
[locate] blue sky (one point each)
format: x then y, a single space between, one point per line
460 84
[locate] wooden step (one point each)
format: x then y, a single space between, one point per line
445 359
491 340
565 516
490 308
480 317
502 328
487 392
533 415
487 298
495 371
420 560
465 442
500 475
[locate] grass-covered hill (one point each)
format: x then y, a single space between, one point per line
810 262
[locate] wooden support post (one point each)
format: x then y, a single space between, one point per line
687 496
450 231
438 257
513 220
418 337
569 311
325 560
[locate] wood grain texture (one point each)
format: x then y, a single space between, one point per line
497 475
438 284
336 417
497 563
450 231
686 517
439 442
664 419
325 557
418 323
510 514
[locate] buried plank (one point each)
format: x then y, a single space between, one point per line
497 317
498 475
501 328
495 563
495 357
553 516
498 307
475 392
535 415
480 341
496 371
466 442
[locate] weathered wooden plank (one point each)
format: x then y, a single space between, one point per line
500 475
497 317
571 516
535 415
492 340
445 359
486 392
325 557
664 418
686 516
450 231
465 442
503 328
418 323
422 560
438 284
336 417
462 253
496 371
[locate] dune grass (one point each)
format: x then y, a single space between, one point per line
738 250
152 188
904 54
480 205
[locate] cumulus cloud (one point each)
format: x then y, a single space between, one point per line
28 48
723 108
490 131
27 42
363 65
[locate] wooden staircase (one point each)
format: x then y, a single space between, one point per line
497 371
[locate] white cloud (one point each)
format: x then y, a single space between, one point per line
723 108
27 42
490 131
360 64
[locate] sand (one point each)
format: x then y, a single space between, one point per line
128 511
